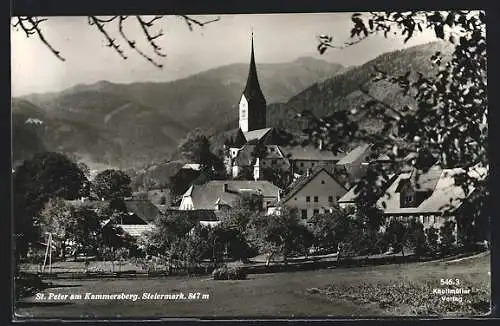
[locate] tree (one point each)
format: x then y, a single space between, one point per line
45 176
112 185
250 202
259 151
32 26
396 233
447 237
277 176
432 235
197 149
281 233
328 230
449 120
56 218
169 228
85 228
416 239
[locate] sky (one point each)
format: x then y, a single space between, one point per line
277 38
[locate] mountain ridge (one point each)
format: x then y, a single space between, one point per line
145 121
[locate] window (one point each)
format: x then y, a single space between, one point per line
315 211
295 198
302 164
273 162
315 199
272 149
303 214
312 164
308 199
330 199
322 182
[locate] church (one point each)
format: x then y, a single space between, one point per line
253 131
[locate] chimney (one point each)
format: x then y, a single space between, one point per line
225 187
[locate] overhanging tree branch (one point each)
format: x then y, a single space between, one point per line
30 25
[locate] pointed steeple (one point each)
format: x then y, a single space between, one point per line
252 106
252 88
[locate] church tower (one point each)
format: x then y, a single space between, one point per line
252 104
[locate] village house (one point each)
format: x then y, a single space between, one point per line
225 194
351 198
140 217
432 197
352 165
313 193
302 158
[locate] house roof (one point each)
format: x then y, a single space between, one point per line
136 230
143 208
258 134
380 158
310 153
206 195
305 179
196 215
354 155
445 193
352 195
245 157
210 223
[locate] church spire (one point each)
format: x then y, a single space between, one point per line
252 105
252 88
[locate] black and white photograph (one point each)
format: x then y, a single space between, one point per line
284 165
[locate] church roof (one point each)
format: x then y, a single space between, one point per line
252 88
245 154
311 153
258 134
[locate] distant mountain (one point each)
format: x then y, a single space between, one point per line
100 127
342 92
129 125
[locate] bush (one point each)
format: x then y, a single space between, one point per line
229 273
446 232
432 237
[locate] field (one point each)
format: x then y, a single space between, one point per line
295 294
